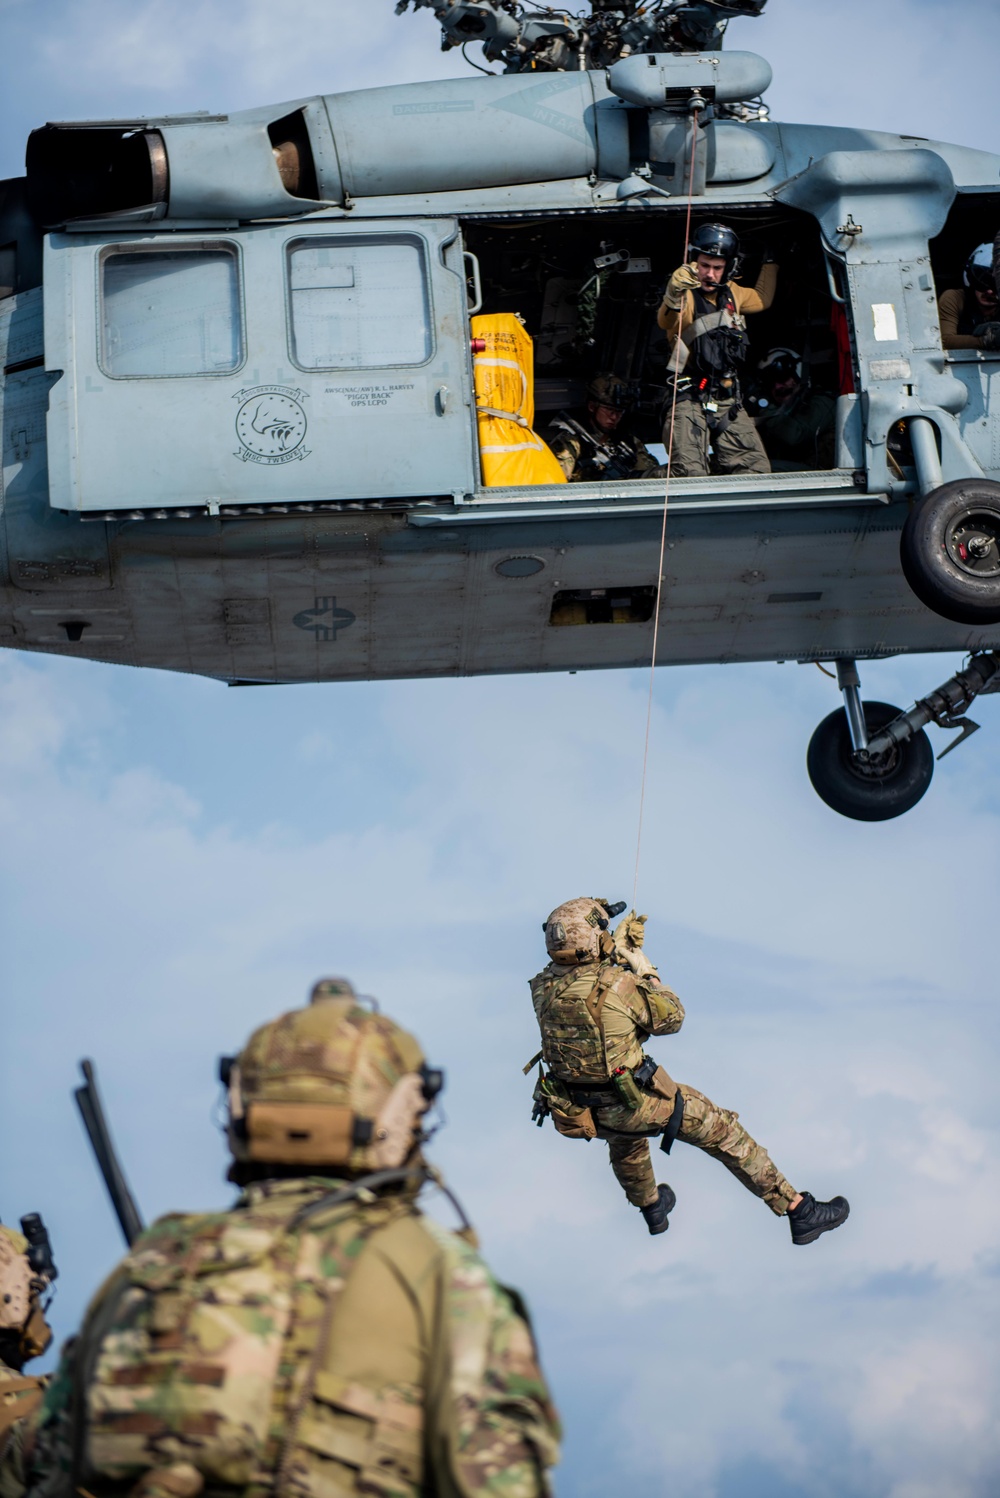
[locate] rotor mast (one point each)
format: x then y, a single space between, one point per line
542 39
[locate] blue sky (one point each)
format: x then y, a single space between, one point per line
180 861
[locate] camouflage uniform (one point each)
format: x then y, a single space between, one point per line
323 1338
20 1397
24 1335
594 1017
586 454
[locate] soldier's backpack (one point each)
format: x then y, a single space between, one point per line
204 1349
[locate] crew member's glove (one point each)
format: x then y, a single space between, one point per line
988 334
629 936
683 280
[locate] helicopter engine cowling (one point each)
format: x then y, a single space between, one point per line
453 135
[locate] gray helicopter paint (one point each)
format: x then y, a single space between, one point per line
781 567
371 432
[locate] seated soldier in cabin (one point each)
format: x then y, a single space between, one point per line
795 422
969 315
595 445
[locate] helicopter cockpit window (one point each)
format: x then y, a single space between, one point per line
170 312
359 302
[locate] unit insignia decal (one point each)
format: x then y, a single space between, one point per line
271 424
324 619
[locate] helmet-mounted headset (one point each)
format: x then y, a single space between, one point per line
719 242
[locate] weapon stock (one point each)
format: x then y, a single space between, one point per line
88 1100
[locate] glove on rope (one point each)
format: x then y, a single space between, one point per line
683 280
629 936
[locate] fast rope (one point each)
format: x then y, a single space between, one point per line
663 527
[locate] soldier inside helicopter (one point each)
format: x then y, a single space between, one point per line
589 296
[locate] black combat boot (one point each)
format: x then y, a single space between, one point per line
810 1217
657 1212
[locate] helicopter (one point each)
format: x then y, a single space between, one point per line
242 413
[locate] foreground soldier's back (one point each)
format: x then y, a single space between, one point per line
322 1338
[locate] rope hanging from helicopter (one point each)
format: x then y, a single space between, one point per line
663 536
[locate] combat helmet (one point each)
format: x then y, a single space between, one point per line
608 390
330 1089
26 1272
577 930
979 269
719 241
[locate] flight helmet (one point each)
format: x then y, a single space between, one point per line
719 241
330 1089
780 364
609 390
577 930
979 269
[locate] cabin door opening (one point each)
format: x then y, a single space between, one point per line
588 289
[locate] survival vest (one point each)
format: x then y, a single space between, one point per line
207 1349
714 345
568 1007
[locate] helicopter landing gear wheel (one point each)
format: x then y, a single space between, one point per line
872 790
950 551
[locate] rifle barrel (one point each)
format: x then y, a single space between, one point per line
88 1100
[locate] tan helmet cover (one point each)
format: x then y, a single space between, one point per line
21 1315
15 1280
330 1085
574 931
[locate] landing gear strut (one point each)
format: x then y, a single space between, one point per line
872 762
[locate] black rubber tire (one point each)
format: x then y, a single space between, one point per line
880 792
966 590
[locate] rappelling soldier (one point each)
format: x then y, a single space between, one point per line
969 314
26 1272
321 1337
704 314
597 1003
596 444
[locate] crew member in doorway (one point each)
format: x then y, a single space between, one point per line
598 445
795 422
597 1003
969 313
704 314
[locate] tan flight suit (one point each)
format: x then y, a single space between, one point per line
737 449
594 1019
954 309
404 1369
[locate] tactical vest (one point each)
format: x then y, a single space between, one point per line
568 1007
714 344
208 1348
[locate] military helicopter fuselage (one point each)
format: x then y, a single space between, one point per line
238 402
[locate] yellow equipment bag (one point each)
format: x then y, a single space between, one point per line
510 452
